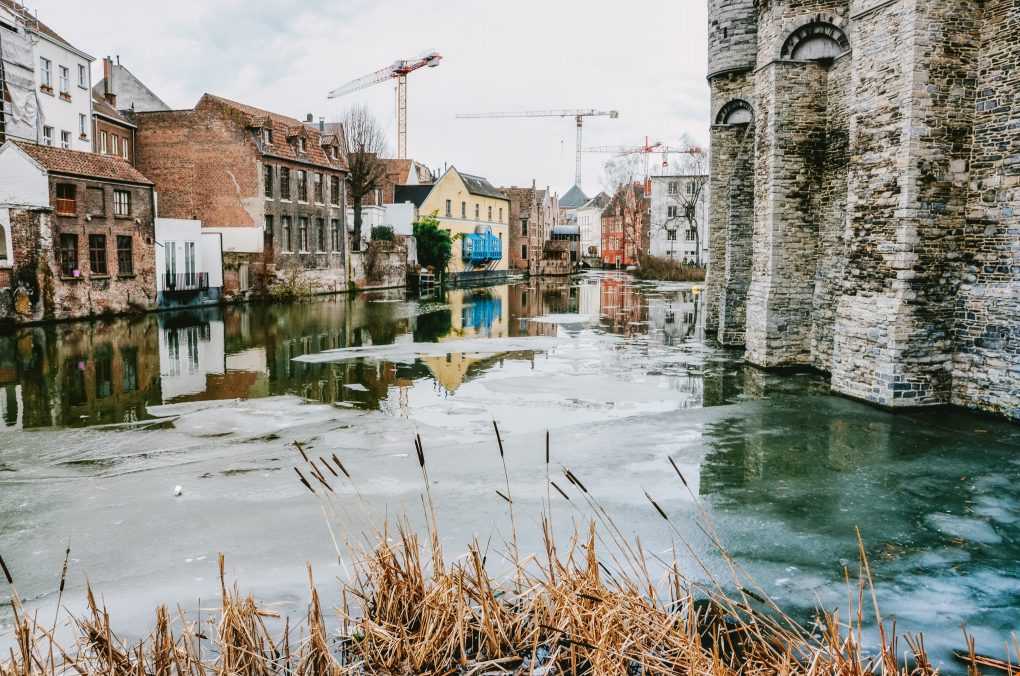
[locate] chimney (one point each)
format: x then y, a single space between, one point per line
322 124
109 91
309 118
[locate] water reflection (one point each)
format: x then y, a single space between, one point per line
114 372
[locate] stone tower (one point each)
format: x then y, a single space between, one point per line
864 208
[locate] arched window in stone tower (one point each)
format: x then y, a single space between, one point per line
816 41
737 111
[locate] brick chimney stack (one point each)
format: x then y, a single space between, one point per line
109 92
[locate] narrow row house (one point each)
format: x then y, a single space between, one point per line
270 185
76 234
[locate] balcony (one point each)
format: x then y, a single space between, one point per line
185 282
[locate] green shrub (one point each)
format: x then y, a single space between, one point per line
434 244
383 233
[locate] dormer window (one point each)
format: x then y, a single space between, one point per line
334 153
267 136
303 145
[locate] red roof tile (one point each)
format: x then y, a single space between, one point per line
101 107
286 129
88 165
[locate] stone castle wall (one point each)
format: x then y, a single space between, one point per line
870 227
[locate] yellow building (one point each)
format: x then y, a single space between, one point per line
475 214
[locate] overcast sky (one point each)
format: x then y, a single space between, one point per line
645 58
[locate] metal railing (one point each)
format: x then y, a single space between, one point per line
185 281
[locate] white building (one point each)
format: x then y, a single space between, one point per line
678 220
589 220
189 263
57 109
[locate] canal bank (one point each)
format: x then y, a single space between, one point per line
616 370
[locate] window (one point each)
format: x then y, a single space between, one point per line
97 255
65 139
302 185
67 204
267 136
334 190
285 232
47 135
672 211
267 180
320 234
65 80
524 251
449 208
303 145
477 212
102 142
68 255
125 256
689 188
501 214
490 213
524 227
463 209
318 189
104 374
113 144
83 125
46 73
284 183
671 235
334 234
302 234
124 147
129 370
121 203
268 234
692 235
83 76
673 188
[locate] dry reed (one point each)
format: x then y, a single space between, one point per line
405 609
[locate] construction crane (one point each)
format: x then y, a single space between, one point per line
398 70
647 149
578 115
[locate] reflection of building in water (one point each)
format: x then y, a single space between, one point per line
191 348
623 307
479 312
77 374
678 316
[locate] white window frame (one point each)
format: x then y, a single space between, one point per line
102 142
46 72
83 76
47 134
65 139
83 122
124 147
65 79
113 144
121 207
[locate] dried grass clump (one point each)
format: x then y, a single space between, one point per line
587 604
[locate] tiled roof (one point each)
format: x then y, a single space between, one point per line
34 24
284 128
600 201
574 198
88 165
477 185
101 107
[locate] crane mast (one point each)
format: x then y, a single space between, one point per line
577 114
647 149
399 70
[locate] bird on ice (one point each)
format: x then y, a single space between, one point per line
178 491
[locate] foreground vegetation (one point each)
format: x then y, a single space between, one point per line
668 270
587 604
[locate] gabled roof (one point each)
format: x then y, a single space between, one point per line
574 198
33 24
101 107
283 128
600 201
85 165
477 185
415 194
132 94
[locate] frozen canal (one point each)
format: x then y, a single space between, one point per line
99 422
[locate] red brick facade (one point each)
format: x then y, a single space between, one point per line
625 227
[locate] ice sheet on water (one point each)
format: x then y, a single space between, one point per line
966 528
562 319
408 352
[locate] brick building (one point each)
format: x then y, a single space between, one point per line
625 227
271 185
77 231
524 229
112 133
864 202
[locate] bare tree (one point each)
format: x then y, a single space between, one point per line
628 202
689 196
366 145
